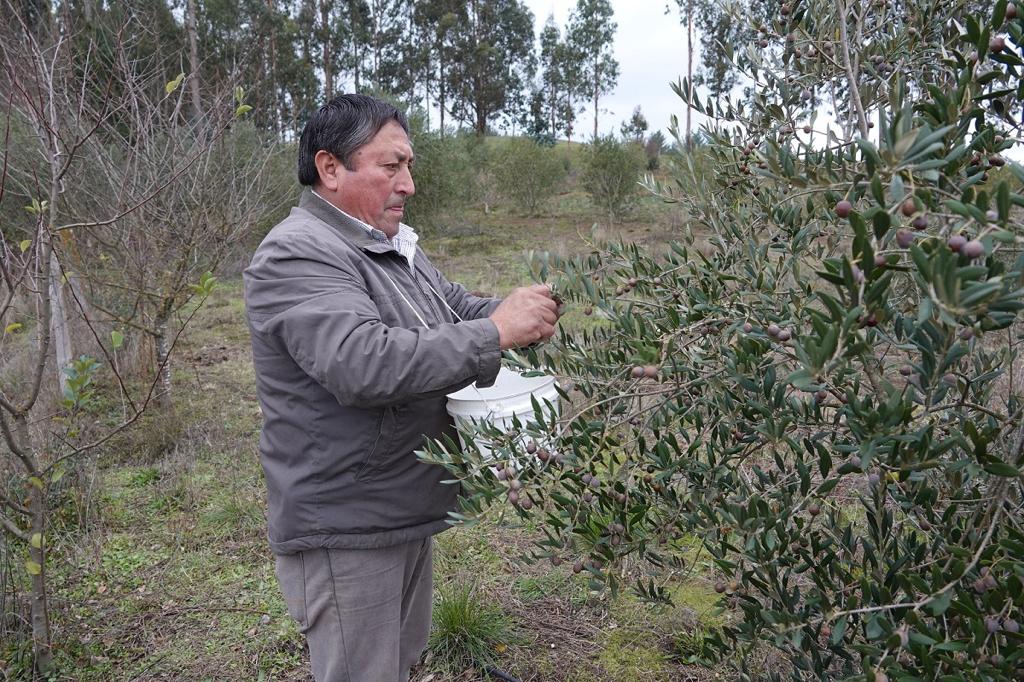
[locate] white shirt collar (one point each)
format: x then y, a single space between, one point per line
404 242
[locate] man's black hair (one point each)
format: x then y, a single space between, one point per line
341 127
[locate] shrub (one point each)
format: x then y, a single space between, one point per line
820 383
652 149
611 174
444 178
527 173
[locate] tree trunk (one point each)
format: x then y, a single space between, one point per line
42 652
191 29
689 72
162 348
41 648
277 111
59 324
553 104
376 44
595 102
325 29
440 88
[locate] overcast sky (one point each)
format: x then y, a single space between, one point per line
651 49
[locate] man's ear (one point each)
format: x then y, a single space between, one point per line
329 169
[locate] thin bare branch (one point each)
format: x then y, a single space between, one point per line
13 529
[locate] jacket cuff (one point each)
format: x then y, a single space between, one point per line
489 354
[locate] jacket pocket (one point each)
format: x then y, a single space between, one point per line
387 427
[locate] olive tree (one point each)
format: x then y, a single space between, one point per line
819 385
611 174
528 174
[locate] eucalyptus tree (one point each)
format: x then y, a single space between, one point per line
438 21
591 33
635 127
493 60
559 70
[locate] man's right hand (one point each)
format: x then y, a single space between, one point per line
526 316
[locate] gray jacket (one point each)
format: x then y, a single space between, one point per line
351 383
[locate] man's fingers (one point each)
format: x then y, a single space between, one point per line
548 315
542 289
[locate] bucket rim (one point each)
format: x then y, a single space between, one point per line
470 394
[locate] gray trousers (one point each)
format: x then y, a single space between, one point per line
365 612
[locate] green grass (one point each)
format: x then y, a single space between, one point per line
468 630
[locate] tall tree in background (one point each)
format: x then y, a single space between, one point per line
720 64
592 34
438 21
686 8
634 129
559 71
406 61
387 29
493 59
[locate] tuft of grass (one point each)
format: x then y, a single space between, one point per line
468 630
144 476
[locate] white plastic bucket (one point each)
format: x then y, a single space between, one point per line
509 397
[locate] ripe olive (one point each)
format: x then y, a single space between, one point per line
973 249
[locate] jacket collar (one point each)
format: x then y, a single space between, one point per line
348 227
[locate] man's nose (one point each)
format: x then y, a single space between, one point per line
405 184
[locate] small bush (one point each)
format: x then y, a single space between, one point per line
612 169
528 174
444 178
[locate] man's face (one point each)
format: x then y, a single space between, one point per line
375 192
